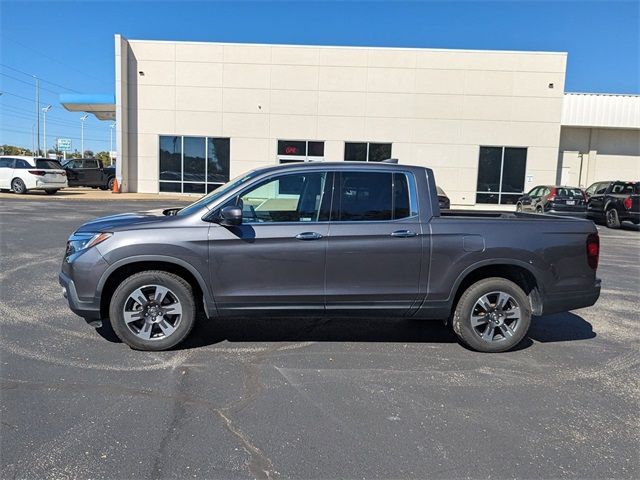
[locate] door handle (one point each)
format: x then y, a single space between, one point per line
403 233
308 236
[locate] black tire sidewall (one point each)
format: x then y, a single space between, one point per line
462 314
615 223
177 285
110 184
50 191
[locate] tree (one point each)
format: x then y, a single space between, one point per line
13 150
104 156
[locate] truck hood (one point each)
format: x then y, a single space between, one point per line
113 223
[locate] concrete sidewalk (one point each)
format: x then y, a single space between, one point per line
96 194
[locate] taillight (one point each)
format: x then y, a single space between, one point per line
37 172
593 250
627 203
552 195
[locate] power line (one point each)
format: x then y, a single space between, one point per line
54 134
53 59
41 79
29 83
62 121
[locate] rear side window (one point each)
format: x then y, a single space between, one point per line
43 163
373 196
622 188
6 162
22 164
90 164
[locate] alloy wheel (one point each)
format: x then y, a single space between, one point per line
495 317
152 312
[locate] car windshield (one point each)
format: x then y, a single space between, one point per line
570 192
44 163
216 194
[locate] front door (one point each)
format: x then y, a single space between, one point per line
275 260
374 253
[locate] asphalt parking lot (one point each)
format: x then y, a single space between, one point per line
307 398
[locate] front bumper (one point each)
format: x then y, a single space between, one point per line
87 309
565 301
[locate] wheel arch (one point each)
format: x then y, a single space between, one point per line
516 271
122 269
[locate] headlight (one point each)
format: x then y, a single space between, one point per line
83 241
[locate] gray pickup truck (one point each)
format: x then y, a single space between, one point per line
336 239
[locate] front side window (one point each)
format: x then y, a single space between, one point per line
193 164
374 196
297 197
366 151
290 151
501 174
6 162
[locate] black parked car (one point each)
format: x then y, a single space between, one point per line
554 200
614 202
89 172
443 201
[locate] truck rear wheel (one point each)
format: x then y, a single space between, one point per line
612 218
152 310
492 315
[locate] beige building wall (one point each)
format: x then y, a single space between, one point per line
593 154
437 107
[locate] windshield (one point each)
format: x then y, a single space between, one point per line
216 194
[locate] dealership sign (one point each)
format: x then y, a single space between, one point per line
64 144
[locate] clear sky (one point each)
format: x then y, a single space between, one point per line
70 46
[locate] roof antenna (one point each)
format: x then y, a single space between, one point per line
390 160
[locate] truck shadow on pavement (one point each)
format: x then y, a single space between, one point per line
562 327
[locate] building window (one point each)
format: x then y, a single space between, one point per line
300 151
501 174
366 151
193 164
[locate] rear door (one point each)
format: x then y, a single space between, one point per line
374 250
6 172
92 173
569 199
528 199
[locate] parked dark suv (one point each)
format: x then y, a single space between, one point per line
554 200
336 239
614 202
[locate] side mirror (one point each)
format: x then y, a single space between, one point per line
230 216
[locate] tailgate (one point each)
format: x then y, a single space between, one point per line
53 176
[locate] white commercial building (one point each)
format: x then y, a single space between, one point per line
491 124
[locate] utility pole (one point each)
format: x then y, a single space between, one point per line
33 140
44 126
82 119
38 109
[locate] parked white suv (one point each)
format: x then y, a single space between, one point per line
21 174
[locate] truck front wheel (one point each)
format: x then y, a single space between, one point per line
152 310
492 315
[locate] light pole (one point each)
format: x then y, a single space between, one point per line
82 119
111 127
44 126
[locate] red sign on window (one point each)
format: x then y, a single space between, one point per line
290 150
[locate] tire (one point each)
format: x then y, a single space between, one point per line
539 210
612 219
504 329
519 207
160 329
110 184
18 186
51 191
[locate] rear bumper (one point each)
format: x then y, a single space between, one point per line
565 301
40 185
568 213
87 309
